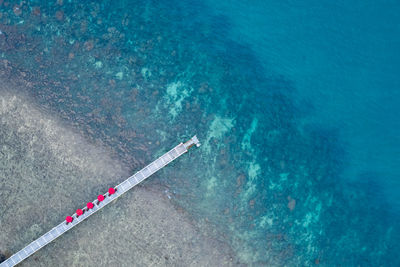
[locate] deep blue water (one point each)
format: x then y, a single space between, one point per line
343 59
296 105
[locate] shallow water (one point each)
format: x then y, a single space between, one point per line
276 180
47 169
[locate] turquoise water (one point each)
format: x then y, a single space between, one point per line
295 105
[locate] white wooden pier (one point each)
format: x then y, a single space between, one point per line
120 190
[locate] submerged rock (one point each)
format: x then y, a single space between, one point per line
292 203
17 10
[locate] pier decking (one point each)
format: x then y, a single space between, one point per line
119 190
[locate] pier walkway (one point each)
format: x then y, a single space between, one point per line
100 203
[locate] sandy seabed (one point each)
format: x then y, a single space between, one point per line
48 170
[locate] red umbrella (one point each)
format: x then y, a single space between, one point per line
69 219
100 197
111 190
